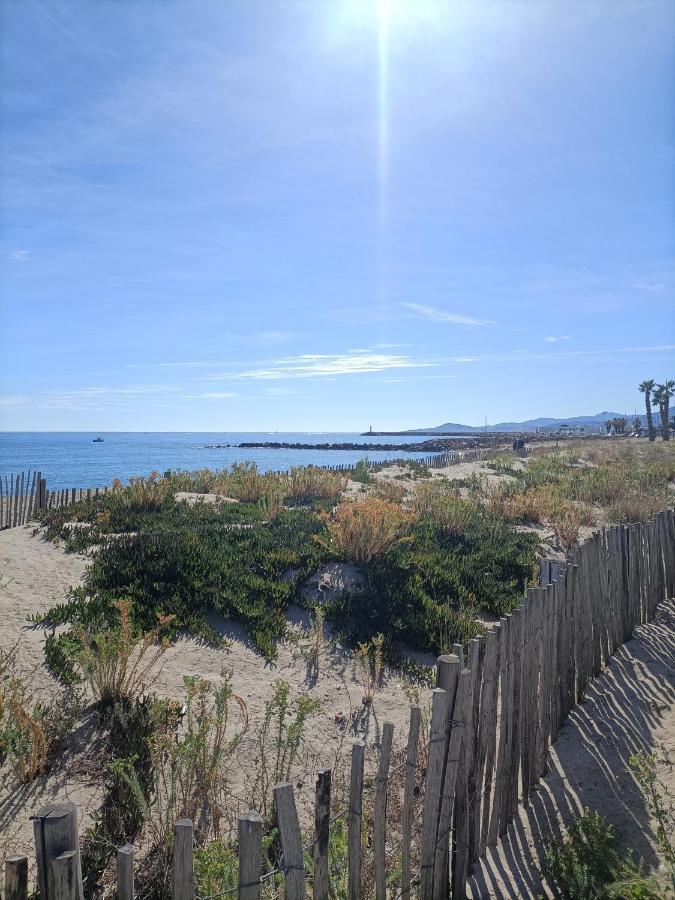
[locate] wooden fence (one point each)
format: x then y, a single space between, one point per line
21 497
25 494
492 721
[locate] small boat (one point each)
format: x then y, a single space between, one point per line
98 440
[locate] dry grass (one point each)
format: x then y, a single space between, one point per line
443 504
303 484
636 506
360 530
389 491
143 493
116 662
22 736
245 483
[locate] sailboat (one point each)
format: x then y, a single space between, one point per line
98 440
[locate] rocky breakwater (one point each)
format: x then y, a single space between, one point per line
431 446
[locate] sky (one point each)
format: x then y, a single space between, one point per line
226 215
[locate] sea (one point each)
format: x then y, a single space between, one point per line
72 459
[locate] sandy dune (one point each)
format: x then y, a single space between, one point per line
39 574
630 707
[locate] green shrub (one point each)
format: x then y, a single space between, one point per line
361 472
586 865
425 593
239 572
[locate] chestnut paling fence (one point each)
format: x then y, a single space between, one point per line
24 494
493 716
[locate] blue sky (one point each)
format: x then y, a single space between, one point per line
272 214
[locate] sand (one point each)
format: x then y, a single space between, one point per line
39 575
630 707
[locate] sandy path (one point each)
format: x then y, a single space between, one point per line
629 708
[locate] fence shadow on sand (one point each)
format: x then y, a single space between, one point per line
623 713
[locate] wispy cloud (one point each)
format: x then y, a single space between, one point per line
20 256
433 314
87 398
328 365
652 287
520 355
552 339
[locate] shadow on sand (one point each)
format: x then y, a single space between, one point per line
623 712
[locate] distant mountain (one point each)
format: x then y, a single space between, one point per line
532 424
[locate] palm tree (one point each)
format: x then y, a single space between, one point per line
646 388
657 401
666 391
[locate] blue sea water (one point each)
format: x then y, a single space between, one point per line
72 459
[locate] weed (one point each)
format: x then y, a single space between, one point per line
361 472
142 494
22 738
442 504
389 491
303 484
272 502
278 739
191 768
216 867
660 802
116 661
369 661
361 530
586 865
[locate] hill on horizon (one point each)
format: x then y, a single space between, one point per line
533 424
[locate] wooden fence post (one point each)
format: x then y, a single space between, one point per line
440 880
16 878
250 829
321 887
448 670
291 842
55 832
125 873
182 877
465 780
408 799
433 786
501 767
65 881
487 733
354 821
380 812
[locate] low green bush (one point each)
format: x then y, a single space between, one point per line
426 592
586 865
239 572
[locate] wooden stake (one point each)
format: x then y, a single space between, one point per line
291 842
408 799
354 822
432 786
321 885
125 873
182 880
380 812
64 883
16 878
249 833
